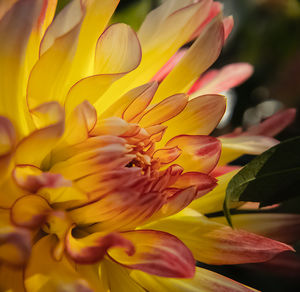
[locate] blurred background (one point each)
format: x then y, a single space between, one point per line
267 35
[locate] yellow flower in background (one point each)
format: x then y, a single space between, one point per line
105 174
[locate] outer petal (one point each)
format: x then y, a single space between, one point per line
213 201
164 31
200 117
118 52
282 227
204 280
15 31
227 77
157 253
197 59
234 147
217 244
33 149
11 279
199 153
47 274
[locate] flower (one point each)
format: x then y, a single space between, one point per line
103 173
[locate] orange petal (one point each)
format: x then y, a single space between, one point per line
11 278
165 110
92 248
199 153
218 244
168 155
15 245
200 117
34 148
156 253
197 59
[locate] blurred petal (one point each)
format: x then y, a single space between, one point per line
227 77
234 147
197 59
228 23
217 244
282 227
156 253
15 246
199 153
11 279
204 280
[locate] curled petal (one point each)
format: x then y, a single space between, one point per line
156 253
199 153
167 155
228 24
204 183
92 248
218 244
204 280
30 211
15 245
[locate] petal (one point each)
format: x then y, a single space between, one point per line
15 245
49 275
274 124
156 253
168 155
203 182
204 280
7 145
234 147
15 30
30 211
199 153
217 244
33 149
132 103
92 248
165 110
197 59
282 227
11 279
118 52
227 77
200 117
111 271
213 201
228 24
165 30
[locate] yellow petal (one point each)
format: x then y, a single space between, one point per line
200 117
196 60
218 244
49 275
165 30
11 279
118 52
33 149
204 281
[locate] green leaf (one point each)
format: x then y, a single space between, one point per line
270 178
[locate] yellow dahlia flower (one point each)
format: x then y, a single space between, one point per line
98 165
